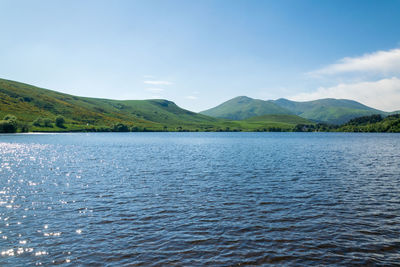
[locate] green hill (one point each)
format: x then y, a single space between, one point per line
242 107
28 103
374 123
333 111
279 118
394 112
36 109
274 122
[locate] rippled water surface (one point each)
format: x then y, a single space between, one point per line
196 199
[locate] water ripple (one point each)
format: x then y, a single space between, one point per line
200 199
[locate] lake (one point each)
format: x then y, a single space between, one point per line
196 199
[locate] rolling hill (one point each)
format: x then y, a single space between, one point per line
275 122
279 118
332 111
28 102
243 107
37 109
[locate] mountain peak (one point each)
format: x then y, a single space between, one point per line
327 110
241 98
243 107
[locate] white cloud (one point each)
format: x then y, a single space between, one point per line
191 97
372 79
155 90
380 62
157 82
383 94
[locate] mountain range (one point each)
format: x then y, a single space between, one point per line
33 106
37 110
331 111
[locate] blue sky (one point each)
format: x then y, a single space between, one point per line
201 53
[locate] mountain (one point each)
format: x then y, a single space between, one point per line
243 107
36 109
275 122
329 110
333 111
28 102
268 123
26 107
394 112
279 118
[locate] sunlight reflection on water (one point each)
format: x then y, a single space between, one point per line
200 199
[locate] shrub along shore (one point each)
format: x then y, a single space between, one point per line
374 123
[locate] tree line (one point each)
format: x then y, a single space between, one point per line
10 124
364 124
373 123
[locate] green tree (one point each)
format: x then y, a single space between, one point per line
38 122
9 124
10 117
47 122
60 122
120 127
24 127
136 129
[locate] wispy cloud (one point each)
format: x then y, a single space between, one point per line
155 90
157 82
372 79
380 62
382 94
191 97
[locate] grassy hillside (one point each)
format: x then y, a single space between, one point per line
36 109
242 107
25 107
275 122
290 119
374 123
28 103
364 124
333 111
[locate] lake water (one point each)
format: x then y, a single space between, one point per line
196 199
